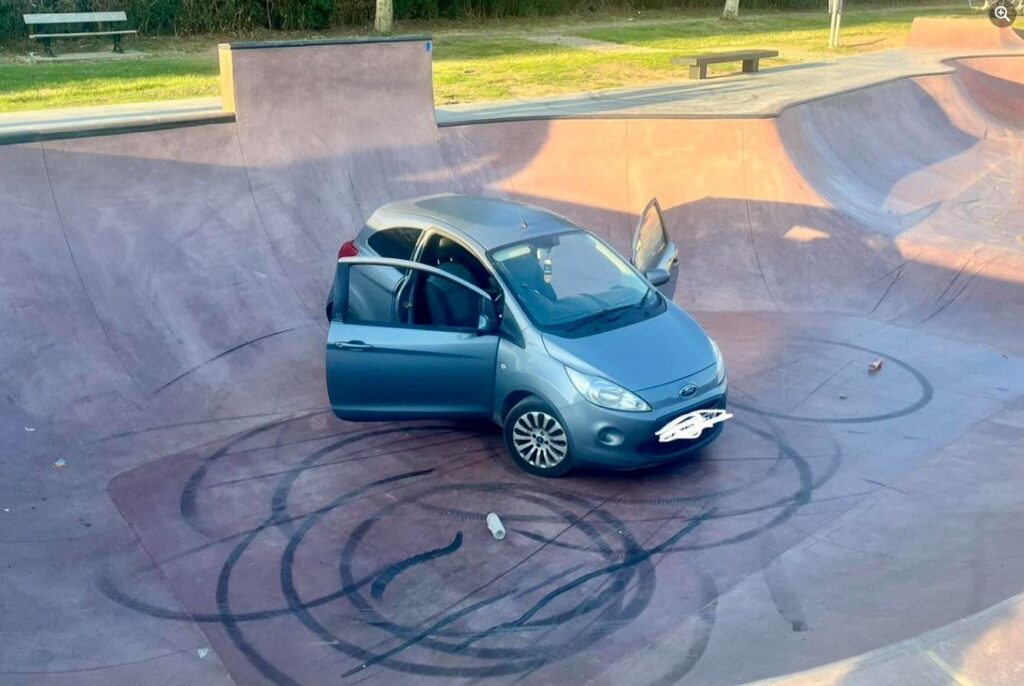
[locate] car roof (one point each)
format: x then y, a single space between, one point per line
488 221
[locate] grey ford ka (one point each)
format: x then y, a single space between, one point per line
474 307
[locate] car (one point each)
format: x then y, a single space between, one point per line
458 306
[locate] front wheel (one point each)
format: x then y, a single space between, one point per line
536 439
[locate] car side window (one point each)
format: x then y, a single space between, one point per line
439 302
427 300
365 303
650 238
397 243
448 255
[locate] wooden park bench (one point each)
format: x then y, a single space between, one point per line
698 64
81 19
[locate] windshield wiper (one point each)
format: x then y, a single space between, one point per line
643 298
601 314
595 316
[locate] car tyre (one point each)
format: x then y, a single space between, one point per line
537 439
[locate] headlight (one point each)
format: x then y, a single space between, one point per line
604 393
719 362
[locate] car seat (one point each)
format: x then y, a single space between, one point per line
448 303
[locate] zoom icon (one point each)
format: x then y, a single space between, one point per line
1002 14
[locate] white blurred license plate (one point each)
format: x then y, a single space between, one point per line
691 425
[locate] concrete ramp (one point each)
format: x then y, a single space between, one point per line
976 32
181 507
355 140
996 87
833 193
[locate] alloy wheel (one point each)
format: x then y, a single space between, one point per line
540 440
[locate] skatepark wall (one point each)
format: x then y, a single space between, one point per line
836 205
974 32
163 288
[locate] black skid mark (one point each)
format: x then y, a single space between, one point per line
634 558
266 668
389 574
925 397
602 598
187 502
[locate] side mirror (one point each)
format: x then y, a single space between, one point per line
485 323
658 277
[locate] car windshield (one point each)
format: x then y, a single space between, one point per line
566 280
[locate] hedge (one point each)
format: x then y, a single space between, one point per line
198 16
184 17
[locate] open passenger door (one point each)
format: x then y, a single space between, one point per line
654 255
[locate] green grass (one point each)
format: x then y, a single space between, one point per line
799 37
477 62
476 69
74 84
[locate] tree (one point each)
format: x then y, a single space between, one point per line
732 10
385 16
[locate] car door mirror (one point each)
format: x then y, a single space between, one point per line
658 277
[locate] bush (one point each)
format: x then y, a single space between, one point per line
229 16
150 16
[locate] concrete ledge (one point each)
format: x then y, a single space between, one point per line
263 45
79 122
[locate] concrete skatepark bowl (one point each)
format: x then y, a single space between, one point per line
181 507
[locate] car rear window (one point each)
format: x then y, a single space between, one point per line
396 244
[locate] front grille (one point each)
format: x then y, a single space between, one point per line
652 446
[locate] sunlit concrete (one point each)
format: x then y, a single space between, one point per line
180 506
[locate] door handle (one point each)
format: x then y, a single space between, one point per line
351 345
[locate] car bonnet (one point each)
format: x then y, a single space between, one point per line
647 353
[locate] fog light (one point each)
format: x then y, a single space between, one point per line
610 436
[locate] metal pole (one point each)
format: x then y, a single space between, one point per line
839 21
832 25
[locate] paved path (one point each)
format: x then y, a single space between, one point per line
741 95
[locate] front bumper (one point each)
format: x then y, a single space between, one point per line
626 440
